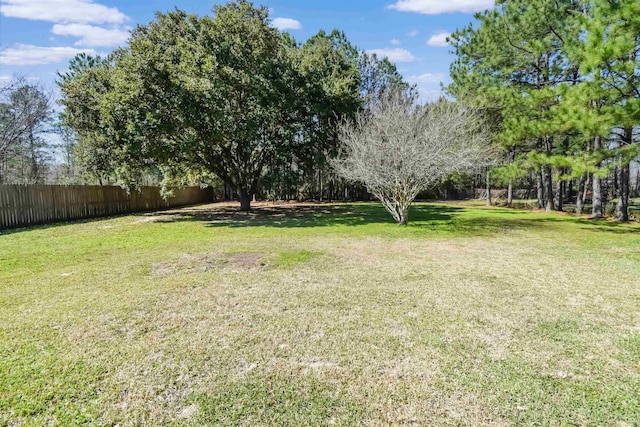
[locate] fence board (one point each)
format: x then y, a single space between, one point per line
24 205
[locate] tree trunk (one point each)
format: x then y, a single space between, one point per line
245 199
228 192
510 193
548 188
488 187
622 210
398 208
548 180
581 194
540 188
404 216
624 181
596 211
331 190
560 191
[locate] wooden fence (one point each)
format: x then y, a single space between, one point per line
23 205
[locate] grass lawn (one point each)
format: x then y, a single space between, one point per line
609 208
322 315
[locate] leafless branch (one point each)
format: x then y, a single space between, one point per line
399 149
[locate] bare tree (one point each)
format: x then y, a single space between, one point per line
24 113
398 148
11 120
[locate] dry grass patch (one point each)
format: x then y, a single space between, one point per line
352 321
202 263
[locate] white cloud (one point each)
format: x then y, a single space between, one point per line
82 11
436 7
26 54
439 40
395 42
91 35
413 33
286 24
426 78
394 55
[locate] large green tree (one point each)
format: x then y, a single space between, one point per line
224 95
194 96
512 63
84 90
605 105
562 78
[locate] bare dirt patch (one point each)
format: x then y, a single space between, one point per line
154 218
202 263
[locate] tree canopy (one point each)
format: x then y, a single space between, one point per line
558 77
224 95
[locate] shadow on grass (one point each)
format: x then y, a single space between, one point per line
604 225
298 216
20 229
439 217
433 217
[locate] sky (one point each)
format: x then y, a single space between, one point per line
38 37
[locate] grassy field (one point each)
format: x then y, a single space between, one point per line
322 315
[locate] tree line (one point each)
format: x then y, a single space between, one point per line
559 81
25 112
36 147
230 101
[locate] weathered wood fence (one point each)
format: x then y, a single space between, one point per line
23 205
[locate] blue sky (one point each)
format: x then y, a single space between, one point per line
38 37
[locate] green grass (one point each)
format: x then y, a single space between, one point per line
322 315
609 208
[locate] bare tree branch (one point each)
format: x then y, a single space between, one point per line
399 149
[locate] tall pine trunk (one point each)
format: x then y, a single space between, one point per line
624 181
560 195
510 193
548 180
540 189
622 210
548 188
596 211
581 194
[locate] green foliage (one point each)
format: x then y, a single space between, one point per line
224 95
558 77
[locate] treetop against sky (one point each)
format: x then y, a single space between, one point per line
38 37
